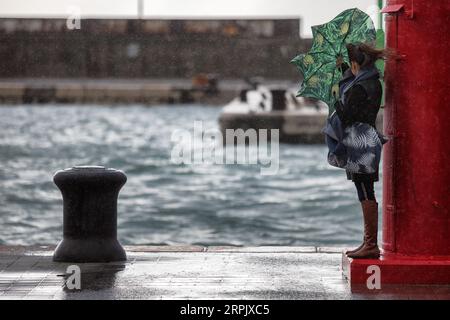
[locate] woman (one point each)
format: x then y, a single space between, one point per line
359 101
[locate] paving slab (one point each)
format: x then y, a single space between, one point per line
194 272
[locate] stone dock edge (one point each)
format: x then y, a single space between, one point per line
20 249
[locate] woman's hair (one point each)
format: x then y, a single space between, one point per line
366 55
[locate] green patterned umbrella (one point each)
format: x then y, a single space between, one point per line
318 66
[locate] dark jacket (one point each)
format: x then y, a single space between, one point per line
361 104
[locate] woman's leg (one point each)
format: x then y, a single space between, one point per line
366 195
365 190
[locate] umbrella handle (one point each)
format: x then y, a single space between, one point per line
339 61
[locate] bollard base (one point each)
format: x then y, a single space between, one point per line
89 250
398 269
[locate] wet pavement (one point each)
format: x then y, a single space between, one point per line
194 272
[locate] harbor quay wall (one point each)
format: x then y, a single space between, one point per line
131 48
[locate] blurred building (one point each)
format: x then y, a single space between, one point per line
104 48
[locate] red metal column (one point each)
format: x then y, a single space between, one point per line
416 163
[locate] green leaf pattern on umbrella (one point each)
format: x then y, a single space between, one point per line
318 66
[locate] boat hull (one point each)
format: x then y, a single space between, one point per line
293 127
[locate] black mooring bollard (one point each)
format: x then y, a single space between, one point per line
90 214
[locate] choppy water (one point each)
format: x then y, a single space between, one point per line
306 203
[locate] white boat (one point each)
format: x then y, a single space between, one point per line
299 120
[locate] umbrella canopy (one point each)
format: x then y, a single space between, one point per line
321 76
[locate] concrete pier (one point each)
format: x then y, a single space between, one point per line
194 272
118 91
